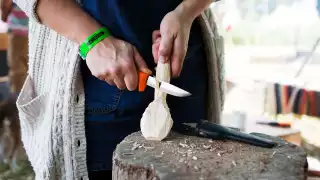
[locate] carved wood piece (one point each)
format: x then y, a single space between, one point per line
156 121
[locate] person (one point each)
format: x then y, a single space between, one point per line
17 43
80 98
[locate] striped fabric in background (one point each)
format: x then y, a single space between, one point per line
279 96
18 22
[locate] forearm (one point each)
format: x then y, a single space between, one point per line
193 8
67 18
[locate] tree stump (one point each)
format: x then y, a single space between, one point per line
180 157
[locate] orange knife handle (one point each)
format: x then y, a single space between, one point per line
142 81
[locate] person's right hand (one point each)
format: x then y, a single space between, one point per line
116 62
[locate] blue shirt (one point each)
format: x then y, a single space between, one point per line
112 114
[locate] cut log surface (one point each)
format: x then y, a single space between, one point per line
180 157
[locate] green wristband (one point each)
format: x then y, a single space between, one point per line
92 40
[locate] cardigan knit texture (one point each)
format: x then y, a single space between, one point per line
51 102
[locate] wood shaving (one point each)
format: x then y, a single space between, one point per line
234 163
219 154
194 158
274 152
222 152
148 148
181 152
183 145
207 146
212 149
135 146
193 146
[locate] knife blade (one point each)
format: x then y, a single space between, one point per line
147 80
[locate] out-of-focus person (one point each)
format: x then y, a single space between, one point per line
17 44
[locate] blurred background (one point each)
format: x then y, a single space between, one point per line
272 66
272 69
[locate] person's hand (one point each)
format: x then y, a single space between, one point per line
5 9
116 62
171 41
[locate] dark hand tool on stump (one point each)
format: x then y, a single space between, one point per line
211 130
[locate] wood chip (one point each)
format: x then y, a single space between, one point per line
148 148
234 163
194 158
183 145
274 152
135 146
219 154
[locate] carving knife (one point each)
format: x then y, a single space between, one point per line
211 130
145 80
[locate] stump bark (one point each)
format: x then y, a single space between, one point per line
181 157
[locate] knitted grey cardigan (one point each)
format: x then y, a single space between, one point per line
51 103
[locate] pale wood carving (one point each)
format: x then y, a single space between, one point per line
156 121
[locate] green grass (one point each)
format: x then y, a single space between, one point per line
23 172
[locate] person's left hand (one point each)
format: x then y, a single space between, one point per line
171 41
5 9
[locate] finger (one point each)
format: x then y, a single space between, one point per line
131 81
100 76
165 48
140 63
120 83
110 81
155 51
155 35
178 55
131 75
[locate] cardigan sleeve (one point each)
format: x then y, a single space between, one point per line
29 7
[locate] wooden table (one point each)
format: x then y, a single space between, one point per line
291 135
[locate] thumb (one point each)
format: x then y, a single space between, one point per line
140 63
155 35
165 48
